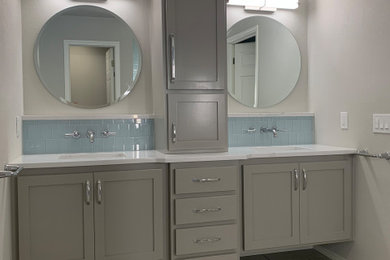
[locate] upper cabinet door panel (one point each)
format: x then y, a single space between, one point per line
196 44
197 122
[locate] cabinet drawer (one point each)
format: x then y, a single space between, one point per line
218 257
210 179
208 209
206 239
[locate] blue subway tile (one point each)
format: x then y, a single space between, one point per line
48 136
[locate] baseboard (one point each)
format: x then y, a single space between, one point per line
332 255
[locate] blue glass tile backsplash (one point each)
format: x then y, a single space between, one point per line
296 130
48 136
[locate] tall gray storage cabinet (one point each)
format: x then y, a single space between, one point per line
196 75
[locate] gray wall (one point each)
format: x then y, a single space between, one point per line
349 61
37 101
296 22
11 105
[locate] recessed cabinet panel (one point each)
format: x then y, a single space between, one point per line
55 217
197 122
205 179
271 206
196 44
206 239
326 202
128 215
208 209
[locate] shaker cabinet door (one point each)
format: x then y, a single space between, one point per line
271 206
129 215
197 122
326 201
196 44
56 217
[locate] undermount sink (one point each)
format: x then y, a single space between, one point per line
276 149
92 156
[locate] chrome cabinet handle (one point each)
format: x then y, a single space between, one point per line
304 179
296 179
76 134
203 211
99 192
205 180
207 240
174 133
173 57
88 192
10 171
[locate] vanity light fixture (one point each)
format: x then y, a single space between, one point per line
265 5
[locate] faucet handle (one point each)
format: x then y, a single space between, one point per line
76 134
107 133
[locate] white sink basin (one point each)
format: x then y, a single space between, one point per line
92 156
279 149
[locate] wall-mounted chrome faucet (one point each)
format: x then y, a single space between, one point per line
91 135
274 130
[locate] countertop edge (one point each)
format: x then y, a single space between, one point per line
151 157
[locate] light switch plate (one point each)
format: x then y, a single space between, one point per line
344 120
381 123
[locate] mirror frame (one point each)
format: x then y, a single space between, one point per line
254 30
63 100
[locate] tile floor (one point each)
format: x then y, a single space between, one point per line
295 255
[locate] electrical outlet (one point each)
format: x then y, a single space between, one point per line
344 120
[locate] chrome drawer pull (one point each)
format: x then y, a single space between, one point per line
173 57
304 179
207 240
174 133
99 191
296 179
88 192
202 211
207 180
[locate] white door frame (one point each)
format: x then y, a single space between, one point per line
108 44
241 36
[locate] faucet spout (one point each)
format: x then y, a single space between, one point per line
91 135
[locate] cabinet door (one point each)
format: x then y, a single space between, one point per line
271 206
197 122
129 215
326 201
56 217
196 44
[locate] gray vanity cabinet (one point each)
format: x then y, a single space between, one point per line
326 202
196 44
271 205
291 204
197 122
56 217
128 215
114 215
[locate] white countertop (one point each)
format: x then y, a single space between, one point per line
152 156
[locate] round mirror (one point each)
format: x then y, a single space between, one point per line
87 57
264 62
